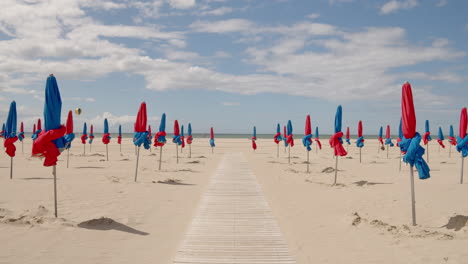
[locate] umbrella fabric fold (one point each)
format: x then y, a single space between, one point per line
21 133
106 136
119 137
160 137
388 138
380 137
2 133
277 137
189 134
285 136
290 136
307 139
317 138
182 137
427 135
51 142
336 141
69 135
10 131
140 134
254 138
360 139
84 135
348 136
176 137
451 137
462 139
410 143
212 139
440 138
38 130
91 135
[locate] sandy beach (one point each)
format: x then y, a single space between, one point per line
105 217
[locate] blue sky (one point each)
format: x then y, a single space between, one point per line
235 64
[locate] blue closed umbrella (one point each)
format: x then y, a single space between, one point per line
189 130
441 134
10 135
53 110
160 137
3 130
336 140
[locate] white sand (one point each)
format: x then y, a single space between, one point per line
149 219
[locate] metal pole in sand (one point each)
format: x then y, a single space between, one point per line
22 147
427 148
336 169
360 155
277 150
190 151
413 200
461 174
387 151
177 152
11 168
68 157
54 172
120 145
289 154
400 161
160 156
450 150
136 167
107 152
307 161
84 149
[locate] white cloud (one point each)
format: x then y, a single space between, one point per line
313 16
222 26
182 4
217 11
442 3
395 5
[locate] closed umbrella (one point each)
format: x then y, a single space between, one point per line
307 139
427 138
285 138
50 143
160 137
189 139
360 139
440 138
84 137
106 137
176 138
317 139
150 136
336 141
10 135
380 139
399 139
21 136
409 145
91 137
38 130
182 138
452 140
119 138
212 139
388 139
347 138
254 138
140 134
277 138
462 139
289 139
69 135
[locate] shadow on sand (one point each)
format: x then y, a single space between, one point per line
105 224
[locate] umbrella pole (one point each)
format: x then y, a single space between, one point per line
190 151
316 149
54 172
387 151
212 150
360 159
22 147
277 150
68 156
177 152
336 169
289 154
439 148
413 200
378 147
11 167
136 168
427 148
461 174
400 161
450 150
90 147
107 152
120 145
307 161
160 157
84 149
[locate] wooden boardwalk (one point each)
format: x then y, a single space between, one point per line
234 223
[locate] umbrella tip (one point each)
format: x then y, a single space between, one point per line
51 75
406 82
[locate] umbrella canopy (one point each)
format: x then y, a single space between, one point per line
176 137
182 137
427 135
140 135
348 136
360 140
160 137
440 138
289 136
307 139
2 133
51 142
388 138
37 130
189 134
380 137
452 138
336 141
254 137
69 135
10 131
462 139
317 138
34 129
106 137
411 139
277 138
400 133
212 139
119 137
84 135
285 136
91 134
21 133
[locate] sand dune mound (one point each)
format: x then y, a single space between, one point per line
39 216
328 170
